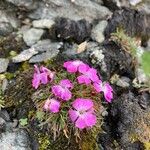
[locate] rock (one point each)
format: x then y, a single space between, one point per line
141 76
76 31
47 45
24 55
4 84
44 56
134 2
15 140
123 82
46 48
43 23
9 16
3 64
98 31
130 121
29 4
2 124
85 9
137 27
32 36
5 28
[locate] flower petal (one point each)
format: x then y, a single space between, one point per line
44 78
54 105
89 118
73 114
83 68
72 66
81 104
83 79
36 80
80 123
56 90
92 74
98 86
46 105
108 92
66 83
65 94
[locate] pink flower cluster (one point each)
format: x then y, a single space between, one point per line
41 75
82 112
89 75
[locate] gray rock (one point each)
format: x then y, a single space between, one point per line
32 36
98 31
44 56
9 17
46 45
85 9
29 4
3 64
5 28
134 2
15 140
4 84
141 76
43 23
123 82
46 48
24 55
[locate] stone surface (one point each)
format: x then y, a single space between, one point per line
46 45
131 121
47 50
70 30
98 31
15 140
24 55
3 64
85 9
123 82
9 16
43 23
32 36
5 28
44 56
134 2
30 4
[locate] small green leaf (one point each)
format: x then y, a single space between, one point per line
23 121
40 115
146 62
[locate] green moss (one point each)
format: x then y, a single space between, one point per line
44 141
147 146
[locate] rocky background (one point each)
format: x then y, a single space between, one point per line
41 31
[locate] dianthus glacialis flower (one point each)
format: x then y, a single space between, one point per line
88 75
106 88
82 113
73 66
62 90
52 105
41 75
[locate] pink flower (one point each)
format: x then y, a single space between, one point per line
82 113
52 105
88 75
41 75
73 66
62 90
106 88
